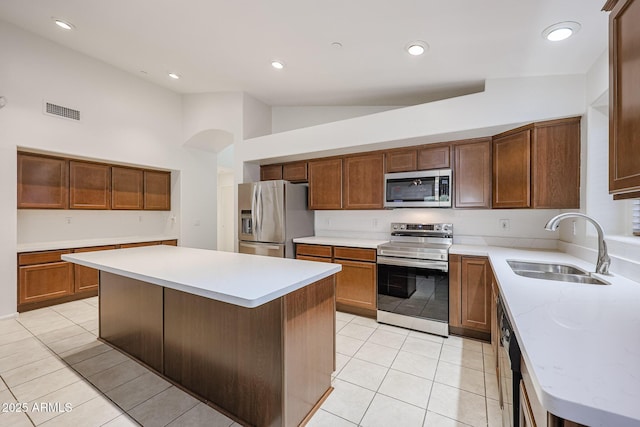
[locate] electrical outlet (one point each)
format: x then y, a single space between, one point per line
504 224
67 219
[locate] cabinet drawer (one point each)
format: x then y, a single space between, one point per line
314 250
30 258
45 281
358 254
137 245
313 258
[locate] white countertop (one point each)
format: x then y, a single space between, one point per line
580 342
87 243
340 241
240 279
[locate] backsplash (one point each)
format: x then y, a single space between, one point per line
525 227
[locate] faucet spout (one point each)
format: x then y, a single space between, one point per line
603 262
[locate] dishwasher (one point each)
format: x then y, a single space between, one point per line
509 357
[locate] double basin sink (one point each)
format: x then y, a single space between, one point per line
558 272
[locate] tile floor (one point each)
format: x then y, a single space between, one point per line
385 376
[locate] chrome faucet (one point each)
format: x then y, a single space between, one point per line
602 265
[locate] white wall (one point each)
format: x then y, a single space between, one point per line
256 117
289 118
124 120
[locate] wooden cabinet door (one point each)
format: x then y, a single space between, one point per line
295 172
87 279
624 93
157 190
555 164
511 170
270 172
475 292
472 174
436 157
89 185
364 182
41 282
42 182
401 161
126 188
325 184
356 284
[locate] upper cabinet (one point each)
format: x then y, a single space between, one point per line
434 157
363 181
538 166
47 182
269 172
126 188
624 104
401 160
325 184
295 172
157 190
472 173
89 185
42 182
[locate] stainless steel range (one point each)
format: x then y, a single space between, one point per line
413 277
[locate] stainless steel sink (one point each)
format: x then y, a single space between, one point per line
559 272
543 267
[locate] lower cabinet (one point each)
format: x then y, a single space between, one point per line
356 284
44 279
470 279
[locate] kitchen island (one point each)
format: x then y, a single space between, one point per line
253 335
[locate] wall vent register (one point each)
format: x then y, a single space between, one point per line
51 109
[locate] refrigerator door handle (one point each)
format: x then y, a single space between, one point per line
261 211
254 207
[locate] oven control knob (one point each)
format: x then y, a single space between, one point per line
395 226
402 227
437 227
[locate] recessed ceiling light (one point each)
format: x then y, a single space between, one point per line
63 24
417 48
278 65
174 76
561 31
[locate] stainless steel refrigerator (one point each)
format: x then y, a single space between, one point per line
271 214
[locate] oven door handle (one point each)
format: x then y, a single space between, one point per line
403 262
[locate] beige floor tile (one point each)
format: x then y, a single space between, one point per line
385 411
72 342
422 347
163 408
90 325
117 375
32 370
494 414
460 377
8 326
362 373
356 331
347 346
376 353
15 336
323 418
15 419
123 420
33 315
463 357
6 396
394 329
74 307
84 316
460 405
23 357
99 363
93 413
345 317
436 420
407 388
91 301
491 386
45 384
340 324
489 361
138 390
428 337
341 361
415 364
84 352
60 334
202 415
3 386
74 394
466 343
365 321
10 349
487 348
43 326
387 338
348 401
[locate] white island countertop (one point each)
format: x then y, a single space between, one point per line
240 279
580 342
341 241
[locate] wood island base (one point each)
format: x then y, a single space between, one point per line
267 366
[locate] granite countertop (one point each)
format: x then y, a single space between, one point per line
579 341
341 241
240 279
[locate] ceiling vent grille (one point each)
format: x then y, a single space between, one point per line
60 111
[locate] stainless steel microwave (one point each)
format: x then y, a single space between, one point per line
422 189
